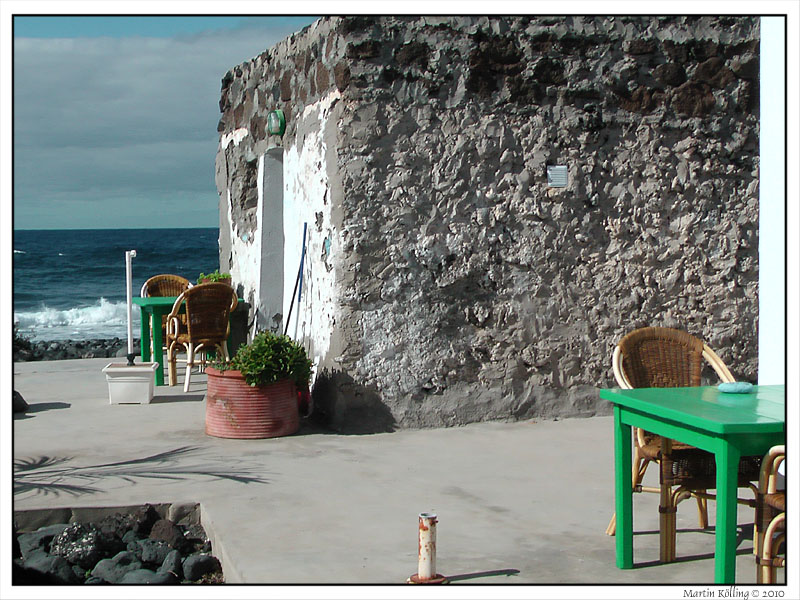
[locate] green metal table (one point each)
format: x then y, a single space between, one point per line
728 425
152 309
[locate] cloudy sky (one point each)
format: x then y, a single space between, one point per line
115 118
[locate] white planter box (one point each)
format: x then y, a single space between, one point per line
130 385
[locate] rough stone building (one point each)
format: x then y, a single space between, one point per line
445 279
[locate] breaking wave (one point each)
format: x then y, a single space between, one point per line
102 320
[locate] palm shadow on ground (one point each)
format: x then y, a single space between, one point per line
48 475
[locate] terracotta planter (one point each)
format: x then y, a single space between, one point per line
237 410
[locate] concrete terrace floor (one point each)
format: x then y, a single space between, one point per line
518 503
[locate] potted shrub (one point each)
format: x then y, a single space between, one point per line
215 277
255 395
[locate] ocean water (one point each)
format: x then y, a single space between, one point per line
70 284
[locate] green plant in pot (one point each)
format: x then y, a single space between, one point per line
215 277
255 395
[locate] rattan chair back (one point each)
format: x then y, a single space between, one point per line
165 285
661 357
208 308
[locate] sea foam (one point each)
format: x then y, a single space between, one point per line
104 319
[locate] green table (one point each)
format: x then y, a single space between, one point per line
728 425
153 308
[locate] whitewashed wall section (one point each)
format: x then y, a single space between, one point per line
307 201
245 248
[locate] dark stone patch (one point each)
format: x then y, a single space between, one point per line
549 71
112 570
390 75
356 25
413 54
84 545
746 67
173 563
669 74
693 50
238 116
714 72
323 78
53 569
543 42
329 44
572 43
39 539
341 76
258 124
492 58
153 551
140 522
148 577
286 86
642 100
168 532
364 50
639 47
227 79
693 98
197 565
583 93
524 91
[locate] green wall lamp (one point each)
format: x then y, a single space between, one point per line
276 122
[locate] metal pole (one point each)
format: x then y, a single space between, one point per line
427 546
426 560
129 254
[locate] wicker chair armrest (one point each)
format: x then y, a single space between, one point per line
176 307
619 375
173 326
717 364
769 468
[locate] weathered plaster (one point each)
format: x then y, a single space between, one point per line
458 286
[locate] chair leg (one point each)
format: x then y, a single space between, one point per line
766 562
171 366
189 363
639 467
702 511
667 510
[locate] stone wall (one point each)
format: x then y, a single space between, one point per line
458 286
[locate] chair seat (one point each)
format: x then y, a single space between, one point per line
697 469
652 449
184 338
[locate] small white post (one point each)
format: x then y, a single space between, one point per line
427 546
426 567
129 254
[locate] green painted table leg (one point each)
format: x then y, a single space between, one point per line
158 343
144 338
725 551
623 491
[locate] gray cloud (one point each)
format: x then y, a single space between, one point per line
108 120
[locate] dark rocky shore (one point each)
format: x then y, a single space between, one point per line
26 350
138 548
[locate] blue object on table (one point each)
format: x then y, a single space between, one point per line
736 387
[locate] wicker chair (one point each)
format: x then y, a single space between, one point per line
662 357
208 308
770 530
164 285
